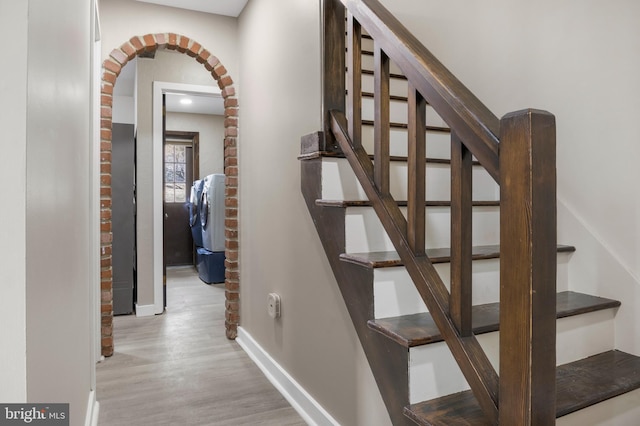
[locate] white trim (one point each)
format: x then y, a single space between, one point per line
160 87
308 408
93 410
146 310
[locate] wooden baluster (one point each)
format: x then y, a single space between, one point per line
461 219
333 64
382 122
354 80
527 268
416 172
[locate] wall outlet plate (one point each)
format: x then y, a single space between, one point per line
273 305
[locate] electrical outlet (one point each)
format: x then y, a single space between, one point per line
273 305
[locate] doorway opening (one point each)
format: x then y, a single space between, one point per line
112 66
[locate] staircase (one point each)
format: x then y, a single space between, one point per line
439 222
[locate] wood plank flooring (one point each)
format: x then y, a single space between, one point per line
179 368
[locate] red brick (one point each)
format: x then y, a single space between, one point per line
231 213
106 100
183 44
231 223
211 63
231 255
150 43
109 77
228 91
229 142
230 102
137 44
203 56
231 202
231 122
218 71
231 131
194 49
225 81
161 39
107 88
113 66
231 181
105 179
172 43
231 171
231 112
120 57
129 50
231 330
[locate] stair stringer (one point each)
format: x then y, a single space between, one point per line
388 361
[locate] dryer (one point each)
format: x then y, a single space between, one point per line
194 212
212 213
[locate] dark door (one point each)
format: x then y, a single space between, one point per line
178 177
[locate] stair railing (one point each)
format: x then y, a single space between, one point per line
518 151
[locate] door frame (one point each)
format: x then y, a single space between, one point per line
159 89
186 138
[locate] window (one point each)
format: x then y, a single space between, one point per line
175 173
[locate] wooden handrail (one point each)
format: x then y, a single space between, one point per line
462 110
517 151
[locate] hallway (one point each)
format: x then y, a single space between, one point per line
180 369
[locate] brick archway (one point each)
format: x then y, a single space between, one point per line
111 69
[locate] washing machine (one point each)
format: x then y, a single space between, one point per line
210 257
212 213
194 212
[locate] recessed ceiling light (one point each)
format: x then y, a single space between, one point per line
186 101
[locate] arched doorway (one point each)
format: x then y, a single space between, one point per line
112 67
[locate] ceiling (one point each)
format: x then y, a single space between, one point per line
218 7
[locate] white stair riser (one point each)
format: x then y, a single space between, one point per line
395 294
438 145
364 231
340 183
368 62
623 410
397 87
398 113
434 373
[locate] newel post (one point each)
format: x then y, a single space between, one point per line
333 67
528 268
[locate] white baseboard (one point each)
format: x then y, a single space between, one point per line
93 410
308 408
145 310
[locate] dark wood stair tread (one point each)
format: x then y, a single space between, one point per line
579 384
386 259
396 158
400 203
438 129
419 329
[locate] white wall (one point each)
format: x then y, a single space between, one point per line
579 60
45 297
211 138
13 121
280 251
121 20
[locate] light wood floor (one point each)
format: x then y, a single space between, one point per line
179 368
